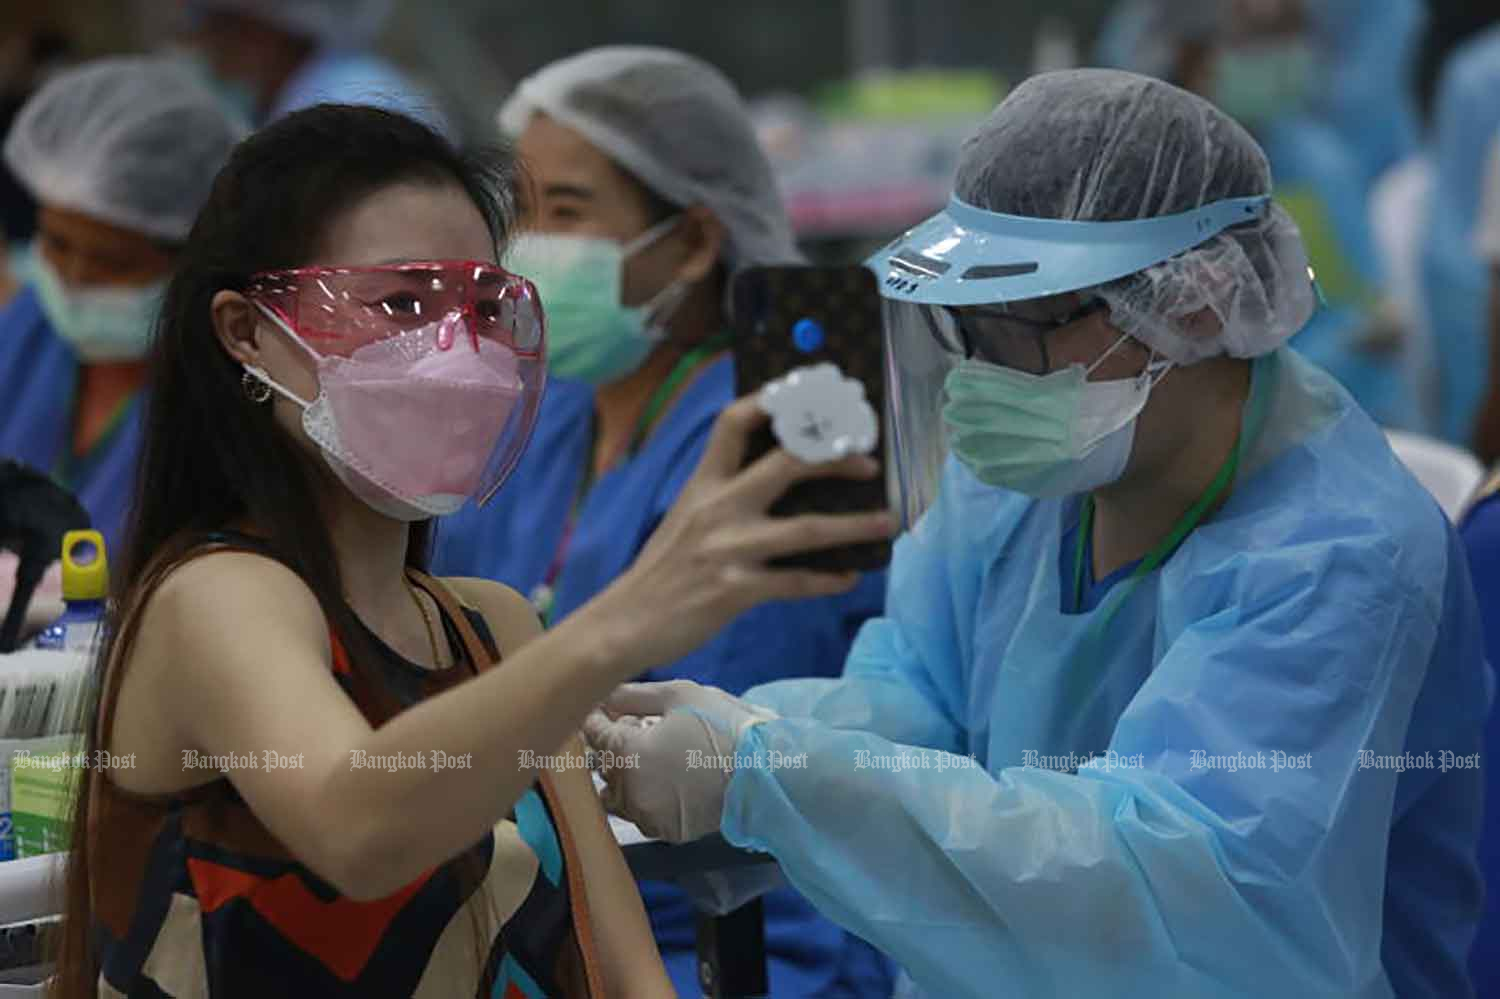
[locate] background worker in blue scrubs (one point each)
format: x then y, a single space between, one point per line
268 58
1362 53
1180 686
119 154
648 190
1367 53
1261 64
1466 118
1481 534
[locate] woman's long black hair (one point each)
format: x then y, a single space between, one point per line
210 456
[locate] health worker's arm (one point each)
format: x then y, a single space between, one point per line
903 680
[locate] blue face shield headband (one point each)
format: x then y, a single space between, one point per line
969 256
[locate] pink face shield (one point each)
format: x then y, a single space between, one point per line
430 375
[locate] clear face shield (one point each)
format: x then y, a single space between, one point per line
917 367
946 283
430 373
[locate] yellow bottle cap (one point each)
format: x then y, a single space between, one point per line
85 571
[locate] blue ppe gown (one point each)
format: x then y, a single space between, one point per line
1362 89
1241 827
38 375
1455 278
1319 181
516 539
1366 94
1119 42
1481 534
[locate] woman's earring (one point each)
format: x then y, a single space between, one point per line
255 390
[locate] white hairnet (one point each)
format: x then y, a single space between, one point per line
346 23
135 142
679 126
1104 146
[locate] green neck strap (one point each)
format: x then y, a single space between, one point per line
681 371
70 465
1249 430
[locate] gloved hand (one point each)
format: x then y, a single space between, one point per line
668 754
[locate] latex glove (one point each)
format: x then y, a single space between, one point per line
667 750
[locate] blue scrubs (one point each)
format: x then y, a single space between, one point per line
1455 279
351 76
38 374
1366 92
1481 533
515 539
1320 182
1228 780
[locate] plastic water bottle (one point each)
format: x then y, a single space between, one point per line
85 583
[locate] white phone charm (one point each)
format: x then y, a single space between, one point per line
819 414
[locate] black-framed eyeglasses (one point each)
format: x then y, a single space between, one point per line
996 335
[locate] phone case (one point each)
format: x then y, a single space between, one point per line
844 302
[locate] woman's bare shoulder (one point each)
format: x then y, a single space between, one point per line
511 617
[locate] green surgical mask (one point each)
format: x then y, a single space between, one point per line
1045 435
1255 83
591 335
99 323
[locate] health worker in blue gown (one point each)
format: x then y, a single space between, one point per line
119 154
1369 52
1455 278
1180 685
647 190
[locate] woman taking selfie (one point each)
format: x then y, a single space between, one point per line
324 797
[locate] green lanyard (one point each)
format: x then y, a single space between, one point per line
1080 675
1185 526
69 466
1159 554
681 371
544 595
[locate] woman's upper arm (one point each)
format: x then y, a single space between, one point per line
510 616
631 963
629 959
242 646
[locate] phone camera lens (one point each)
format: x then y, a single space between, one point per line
808 335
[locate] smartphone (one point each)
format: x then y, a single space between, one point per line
788 317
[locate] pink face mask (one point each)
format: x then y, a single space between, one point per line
429 376
415 424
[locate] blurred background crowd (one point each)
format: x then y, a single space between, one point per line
1378 118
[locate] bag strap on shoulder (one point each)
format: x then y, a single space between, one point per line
452 605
